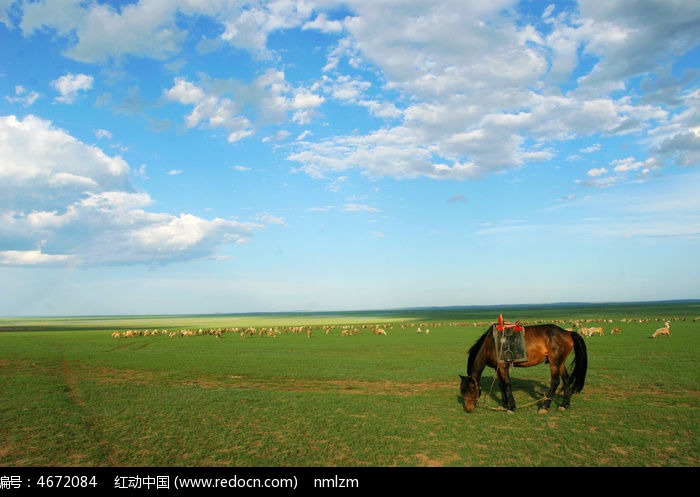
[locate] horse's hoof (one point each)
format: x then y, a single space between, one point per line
562 408
542 410
509 411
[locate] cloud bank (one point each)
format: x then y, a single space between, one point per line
64 202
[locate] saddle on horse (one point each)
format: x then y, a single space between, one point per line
510 341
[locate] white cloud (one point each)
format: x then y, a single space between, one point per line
683 148
625 165
597 172
210 110
103 133
632 38
272 96
389 153
65 202
23 96
346 88
31 258
5 6
462 69
171 234
70 85
477 95
61 15
43 166
279 135
101 32
590 149
184 92
268 218
465 111
248 27
323 24
354 207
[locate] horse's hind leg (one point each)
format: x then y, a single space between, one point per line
553 384
566 399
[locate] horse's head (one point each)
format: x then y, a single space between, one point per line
471 391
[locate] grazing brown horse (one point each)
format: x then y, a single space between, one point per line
546 343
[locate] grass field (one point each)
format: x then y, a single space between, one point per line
74 395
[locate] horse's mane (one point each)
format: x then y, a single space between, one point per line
474 350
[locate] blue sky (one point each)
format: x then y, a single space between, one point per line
185 156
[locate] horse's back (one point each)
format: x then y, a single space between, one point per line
548 332
544 340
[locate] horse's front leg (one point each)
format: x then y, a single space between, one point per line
506 389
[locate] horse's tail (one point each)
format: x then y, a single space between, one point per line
580 363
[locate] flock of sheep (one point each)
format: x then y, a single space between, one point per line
375 329
597 330
252 331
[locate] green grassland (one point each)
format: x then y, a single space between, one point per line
74 395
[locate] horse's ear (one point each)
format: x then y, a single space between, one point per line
463 377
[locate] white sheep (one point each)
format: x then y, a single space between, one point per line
662 331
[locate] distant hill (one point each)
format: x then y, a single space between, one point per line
510 312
